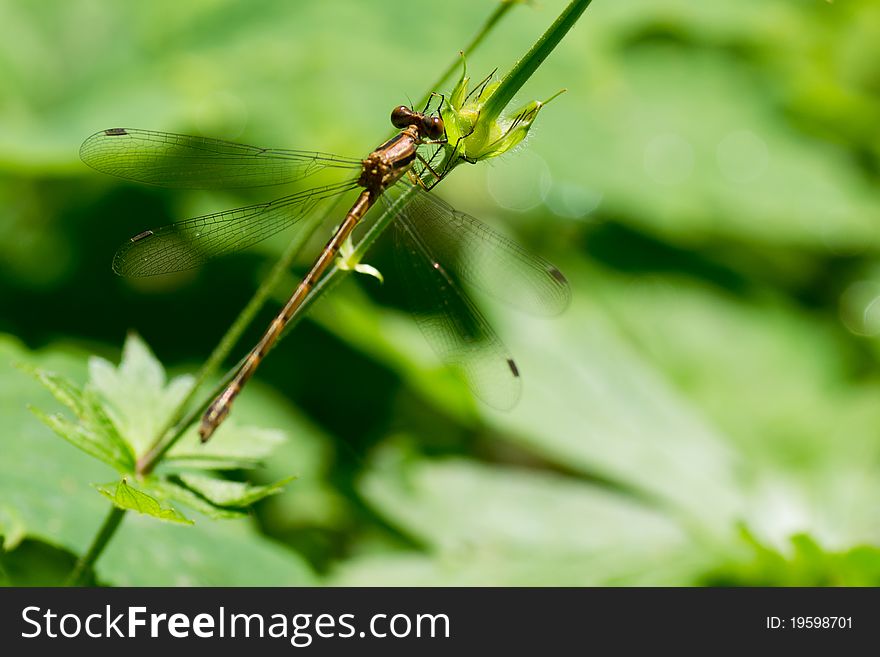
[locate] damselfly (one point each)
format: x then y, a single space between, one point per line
438 246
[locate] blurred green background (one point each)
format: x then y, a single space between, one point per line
706 411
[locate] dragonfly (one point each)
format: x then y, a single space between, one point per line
438 249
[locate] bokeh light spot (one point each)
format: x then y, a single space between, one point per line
742 156
519 183
669 159
572 200
860 308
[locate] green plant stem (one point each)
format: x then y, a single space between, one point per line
529 63
163 442
102 538
499 13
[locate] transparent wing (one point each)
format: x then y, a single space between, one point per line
486 259
172 160
451 323
191 243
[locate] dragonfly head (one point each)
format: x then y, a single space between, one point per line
427 125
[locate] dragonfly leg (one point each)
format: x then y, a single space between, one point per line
437 152
478 90
417 180
455 153
429 168
430 98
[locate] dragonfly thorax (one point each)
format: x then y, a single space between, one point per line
390 161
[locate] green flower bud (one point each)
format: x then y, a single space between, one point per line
474 134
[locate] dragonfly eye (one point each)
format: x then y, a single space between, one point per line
432 126
401 116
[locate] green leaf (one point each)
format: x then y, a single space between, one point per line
225 493
491 525
44 482
473 133
233 446
613 414
489 567
137 398
802 562
95 433
98 417
78 436
65 391
45 495
136 392
127 497
140 398
13 528
167 489
231 553
528 511
215 498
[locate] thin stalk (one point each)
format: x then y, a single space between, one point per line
102 538
497 15
164 442
529 63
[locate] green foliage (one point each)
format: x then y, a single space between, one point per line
119 413
802 563
48 509
705 412
137 394
231 493
472 132
130 498
94 433
510 526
